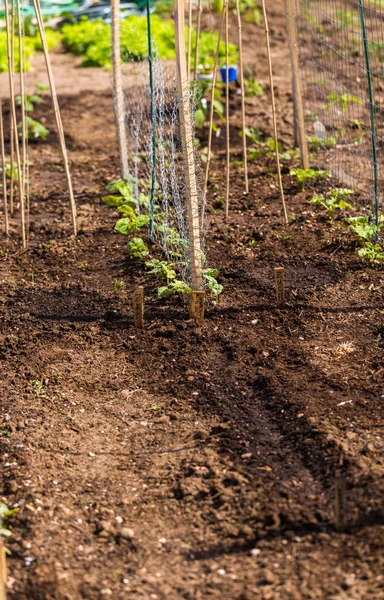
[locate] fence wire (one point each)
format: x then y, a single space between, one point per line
340 50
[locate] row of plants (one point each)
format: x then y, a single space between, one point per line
167 272
335 200
31 45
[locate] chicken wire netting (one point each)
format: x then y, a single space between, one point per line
156 162
340 51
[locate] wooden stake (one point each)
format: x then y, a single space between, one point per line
280 289
138 307
118 94
11 129
296 84
211 109
2 152
188 150
339 501
3 573
199 11
22 175
245 158
14 122
189 39
196 308
274 114
59 124
227 115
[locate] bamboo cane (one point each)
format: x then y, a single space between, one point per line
11 129
198 27
211 109
118 94
228 165
59 124
274 112
2 150
188 152
14 122
3 572
297 91
189 39
245 158
23 115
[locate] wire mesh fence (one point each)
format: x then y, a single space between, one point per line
340 72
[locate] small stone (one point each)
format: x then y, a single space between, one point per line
349 581
105 526
255 551
127 533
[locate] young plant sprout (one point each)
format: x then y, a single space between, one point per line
334 200
304 175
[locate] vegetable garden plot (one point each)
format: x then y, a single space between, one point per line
340 51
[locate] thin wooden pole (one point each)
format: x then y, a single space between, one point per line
59 124
138 307
274 113
22 176
189 39
245 158
2 150
228 166
188 150
118 94
3 572
11 129
14 122
296 84
211 108
198 27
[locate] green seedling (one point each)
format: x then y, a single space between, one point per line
118 286
211 283
253 88
35 130
5 512
174 288
38 386
161 269
343 100
372 252
364 229
138 248
127 225
304 175
334 200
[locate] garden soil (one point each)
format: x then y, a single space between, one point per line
184 462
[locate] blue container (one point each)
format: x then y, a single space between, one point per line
232 74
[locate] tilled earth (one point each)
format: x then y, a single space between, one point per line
184 462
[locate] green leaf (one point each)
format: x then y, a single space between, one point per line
113 200
199 117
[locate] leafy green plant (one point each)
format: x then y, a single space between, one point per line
253 88
363 228
31 100
38 386
334 200
161 269
343 100
138 248
118 286
372 252
174 288
5 512
128 225
211 282
303 175
35 129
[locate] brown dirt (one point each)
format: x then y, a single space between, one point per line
218 446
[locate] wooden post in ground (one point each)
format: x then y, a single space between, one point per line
227 124
59 124
9 34
274 114
196 309
3 573
188 151
118 94
245 158
296 84
2 153
138 307
280 288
